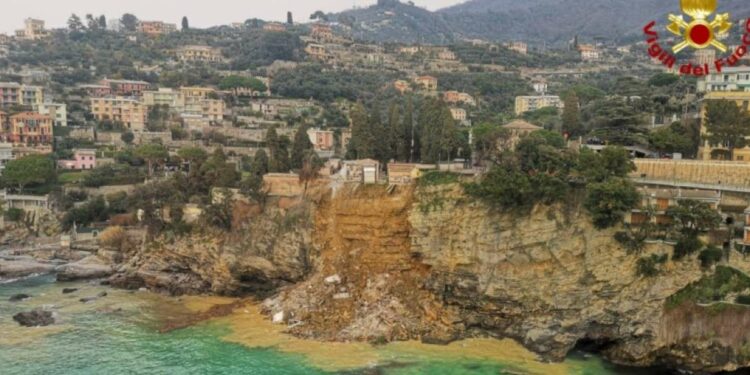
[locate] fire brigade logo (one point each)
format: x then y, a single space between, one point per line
700 32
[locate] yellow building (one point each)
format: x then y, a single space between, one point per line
213 109
32 95
428 83
12 93
199 53
532 103
717 152
33 30
165 96
131 113
196 93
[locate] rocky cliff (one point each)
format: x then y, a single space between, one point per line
550 280
263 252
376 263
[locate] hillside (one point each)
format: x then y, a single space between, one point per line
557 20
533 20
392 21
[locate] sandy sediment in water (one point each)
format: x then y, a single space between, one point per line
252 329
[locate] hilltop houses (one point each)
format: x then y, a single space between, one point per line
427 83
195 53
532 103
33 30
156 28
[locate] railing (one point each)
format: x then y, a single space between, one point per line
692 185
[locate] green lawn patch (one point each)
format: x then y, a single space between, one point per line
72 177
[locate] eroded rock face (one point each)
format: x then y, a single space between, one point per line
378 264
366 285
549 279
262 253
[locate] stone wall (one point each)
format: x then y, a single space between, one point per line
697 171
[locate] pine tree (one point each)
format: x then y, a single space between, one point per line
93 23
571 117
300 147
74 23
185 24
129 22
727 125
102 22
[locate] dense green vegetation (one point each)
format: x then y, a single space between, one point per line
542 171
728 125
650 266
313 81
499 55
713 288
29 172
409 130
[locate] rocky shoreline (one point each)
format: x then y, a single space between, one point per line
376 266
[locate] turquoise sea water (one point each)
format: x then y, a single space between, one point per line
118 335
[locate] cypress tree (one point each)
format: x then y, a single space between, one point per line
300 146
361 145
571 117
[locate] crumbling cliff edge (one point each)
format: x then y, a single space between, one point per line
378 264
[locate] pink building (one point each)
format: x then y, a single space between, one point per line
97 90
82 159
126 87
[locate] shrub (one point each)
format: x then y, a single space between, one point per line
710 256
432 178
115 238
686 245
14 214
648 266
609 200
631 242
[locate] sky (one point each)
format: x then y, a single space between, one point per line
200 13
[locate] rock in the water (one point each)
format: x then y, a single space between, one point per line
92 299
19 297
128 282
69 290
35 318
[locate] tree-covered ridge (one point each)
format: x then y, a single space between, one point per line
552 21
